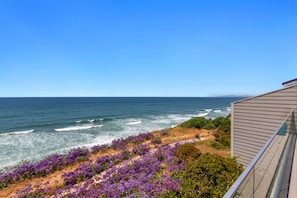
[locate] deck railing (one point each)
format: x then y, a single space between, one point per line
268 175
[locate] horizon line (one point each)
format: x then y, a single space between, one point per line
219 96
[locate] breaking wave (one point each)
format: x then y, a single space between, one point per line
19 132
134 122
77 128
202 114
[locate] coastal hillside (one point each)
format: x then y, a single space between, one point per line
189 160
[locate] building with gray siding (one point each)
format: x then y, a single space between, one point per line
263 140
255 119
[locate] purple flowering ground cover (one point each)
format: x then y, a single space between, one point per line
148 176
134 172
56 162
88 170
43 167
137 168
144 173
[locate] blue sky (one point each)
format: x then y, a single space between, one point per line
146 47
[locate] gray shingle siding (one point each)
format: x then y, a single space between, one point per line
255 119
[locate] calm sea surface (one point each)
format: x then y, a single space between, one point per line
33 128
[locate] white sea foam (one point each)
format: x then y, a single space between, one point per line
202 114
162 121
19 132
134 122
78 121
92 120
101 139
179 117
217 111
76 128
208 110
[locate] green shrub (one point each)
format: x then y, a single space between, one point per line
216 145
170 194
198 123
201 122
156 141
209 126
197 136
187 152
224 128
3 185
220 121
222 135
164 132
208 176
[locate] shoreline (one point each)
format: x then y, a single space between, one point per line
71 123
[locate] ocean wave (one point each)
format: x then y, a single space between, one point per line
84 121
202 114
19 132
171 119
162 121
101 139
106 119
77 128
93 120
134 122
180 117
208 110
217 111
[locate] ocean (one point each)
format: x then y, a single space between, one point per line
33 128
